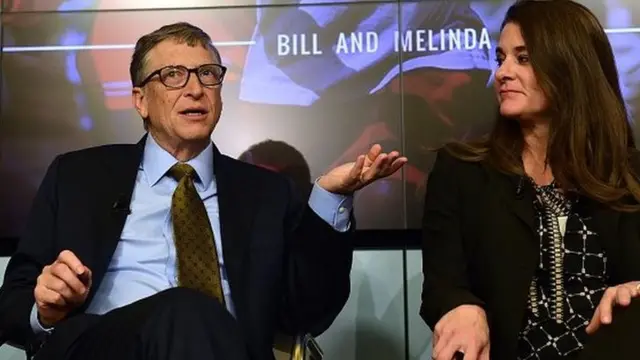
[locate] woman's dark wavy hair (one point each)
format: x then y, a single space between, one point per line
590 138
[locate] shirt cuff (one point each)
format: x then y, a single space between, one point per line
334 209
36 326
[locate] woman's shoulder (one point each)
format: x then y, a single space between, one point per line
462 154
457 161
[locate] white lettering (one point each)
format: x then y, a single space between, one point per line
298 44
404 41
357 42
372 42
454 40
470 39
283 45
441 40
485 40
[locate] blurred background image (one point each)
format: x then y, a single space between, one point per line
311 84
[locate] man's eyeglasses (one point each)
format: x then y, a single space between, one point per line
177 76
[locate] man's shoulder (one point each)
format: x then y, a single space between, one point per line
96 153
96 160
99 151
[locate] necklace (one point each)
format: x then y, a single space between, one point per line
554 209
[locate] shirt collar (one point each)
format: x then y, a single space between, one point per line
156 161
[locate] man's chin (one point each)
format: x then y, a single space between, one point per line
200 137
195 132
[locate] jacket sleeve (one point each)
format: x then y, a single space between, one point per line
317 270
444 266
35 250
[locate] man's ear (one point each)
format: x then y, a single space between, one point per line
139 98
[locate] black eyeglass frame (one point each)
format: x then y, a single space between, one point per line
189 71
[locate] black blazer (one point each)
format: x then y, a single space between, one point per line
479 246
288 270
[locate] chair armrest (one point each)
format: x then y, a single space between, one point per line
312 350
300 347
4 341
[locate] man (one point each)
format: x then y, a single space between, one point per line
168 249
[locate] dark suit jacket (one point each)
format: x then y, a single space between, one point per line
288 269
479 246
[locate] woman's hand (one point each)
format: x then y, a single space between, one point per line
620 295
463 329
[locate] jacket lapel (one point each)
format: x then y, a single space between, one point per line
112 204
237 194
516 194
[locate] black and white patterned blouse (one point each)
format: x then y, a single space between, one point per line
569 281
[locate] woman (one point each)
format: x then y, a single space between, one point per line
531 243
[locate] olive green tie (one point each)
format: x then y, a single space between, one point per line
198 266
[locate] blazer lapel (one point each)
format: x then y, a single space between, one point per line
517 195
236 199
112 204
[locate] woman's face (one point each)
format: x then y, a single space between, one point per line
516 85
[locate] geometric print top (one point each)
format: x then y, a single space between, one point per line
568 283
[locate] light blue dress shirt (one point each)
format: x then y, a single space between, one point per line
144 261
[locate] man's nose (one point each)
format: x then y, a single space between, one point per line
193 86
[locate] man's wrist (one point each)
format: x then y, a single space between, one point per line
39 325
43 322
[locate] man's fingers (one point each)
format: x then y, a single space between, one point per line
356 170
370 174
374 151
396 165
70 259
59 286
64 273
47 297
383 167
63 283
377 164
86 277
391 163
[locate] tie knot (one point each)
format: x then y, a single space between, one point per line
180 170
